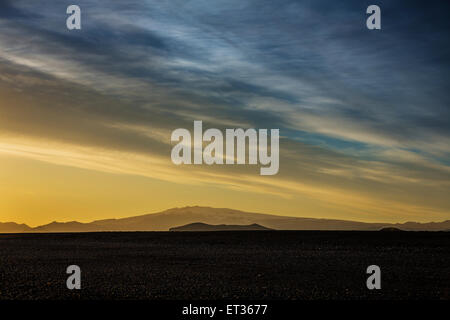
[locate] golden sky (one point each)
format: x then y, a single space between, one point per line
86 116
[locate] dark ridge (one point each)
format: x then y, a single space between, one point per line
391 229
198 226
12 227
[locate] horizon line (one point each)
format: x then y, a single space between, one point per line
198 206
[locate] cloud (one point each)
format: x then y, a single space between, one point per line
363 114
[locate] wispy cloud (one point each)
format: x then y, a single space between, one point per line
362 113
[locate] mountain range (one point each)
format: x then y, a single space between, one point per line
163 221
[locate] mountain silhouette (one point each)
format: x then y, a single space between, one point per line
163 221
390 229
198 226
12 227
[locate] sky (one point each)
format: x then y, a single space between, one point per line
86 115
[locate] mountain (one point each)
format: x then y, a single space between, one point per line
72 226
430 226
163 221
198 226
12 227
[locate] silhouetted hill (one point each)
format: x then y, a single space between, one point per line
72 226
163 221
390 229
12 227
198 226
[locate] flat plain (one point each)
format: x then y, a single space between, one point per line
273 265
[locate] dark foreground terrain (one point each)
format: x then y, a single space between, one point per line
226 265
